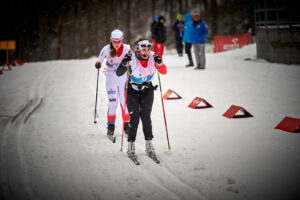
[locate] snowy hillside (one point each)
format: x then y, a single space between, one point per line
51 149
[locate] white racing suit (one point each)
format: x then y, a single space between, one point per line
115 85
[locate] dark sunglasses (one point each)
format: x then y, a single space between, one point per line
144 45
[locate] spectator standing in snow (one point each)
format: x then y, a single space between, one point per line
159 34
140 94
198 35
115 85
153 25
186 38
178 28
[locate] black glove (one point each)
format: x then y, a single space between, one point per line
126 58
157 58
98 65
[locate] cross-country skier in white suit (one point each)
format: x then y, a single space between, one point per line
115 85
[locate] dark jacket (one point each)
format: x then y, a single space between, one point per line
153 24
178 28
160 31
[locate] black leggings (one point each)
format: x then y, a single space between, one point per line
179 45
188 47
139 105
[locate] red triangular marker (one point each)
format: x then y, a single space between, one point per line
231 112
9 68
289 124
197 100
19 62
169 92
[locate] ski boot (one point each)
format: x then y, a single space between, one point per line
150 151
131 152
110 131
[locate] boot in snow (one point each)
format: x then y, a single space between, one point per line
131 148
151 152
150 148
190 65
110 130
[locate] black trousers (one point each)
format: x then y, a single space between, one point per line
179 45
188 47
139 105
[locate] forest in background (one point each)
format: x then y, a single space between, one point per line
74 29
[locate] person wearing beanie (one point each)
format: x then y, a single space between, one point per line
159 34
153 25
115 85
178 28
186 38
198 35
142 66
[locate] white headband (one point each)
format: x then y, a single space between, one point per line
143 44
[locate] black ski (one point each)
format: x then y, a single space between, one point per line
133 157
153 157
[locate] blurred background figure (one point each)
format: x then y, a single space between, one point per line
198 35
186 38
153 25
178 28
159 35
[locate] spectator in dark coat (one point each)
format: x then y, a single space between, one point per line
178 28
153 25
159 34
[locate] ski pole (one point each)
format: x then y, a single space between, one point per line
125 102
95 114
125 105
163 106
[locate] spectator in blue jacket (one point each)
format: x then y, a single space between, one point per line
198 35
186 38
178 29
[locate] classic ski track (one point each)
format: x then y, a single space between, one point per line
155 170
12 133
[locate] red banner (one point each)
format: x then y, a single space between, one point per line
225 43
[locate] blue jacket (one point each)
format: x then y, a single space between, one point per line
187 28
198 32
178 29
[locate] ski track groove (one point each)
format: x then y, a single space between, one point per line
12 134
162 169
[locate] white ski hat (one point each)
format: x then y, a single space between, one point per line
143 44
116 35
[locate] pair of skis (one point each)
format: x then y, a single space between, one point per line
133 157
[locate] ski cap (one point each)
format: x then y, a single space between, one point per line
116 36
179 16
143 44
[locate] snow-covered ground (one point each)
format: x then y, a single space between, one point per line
51 149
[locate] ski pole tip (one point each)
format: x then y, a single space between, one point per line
121 150
169 148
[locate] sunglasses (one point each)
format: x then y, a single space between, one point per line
144 45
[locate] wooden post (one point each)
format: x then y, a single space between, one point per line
7 58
